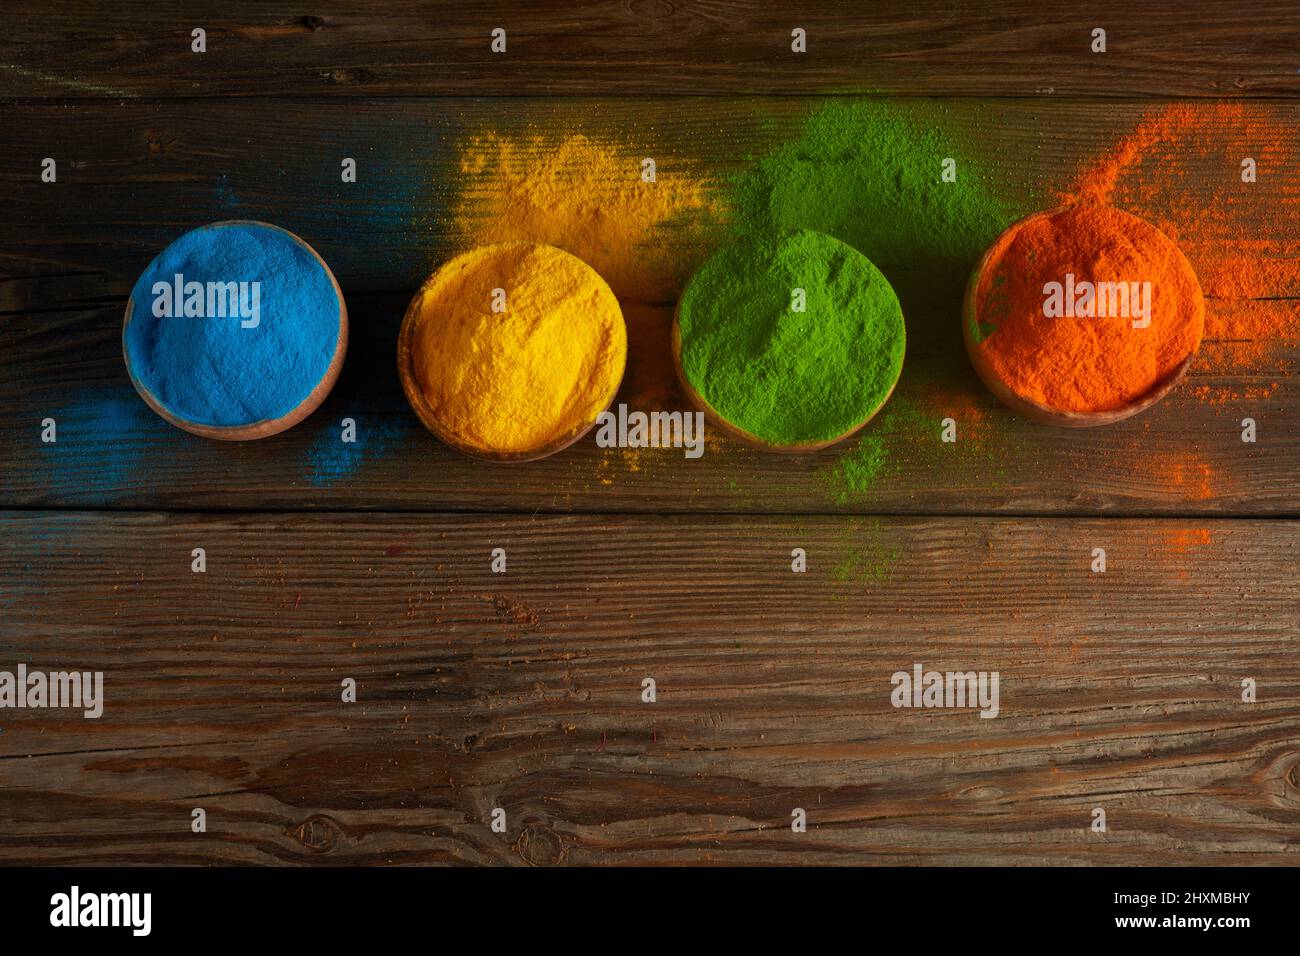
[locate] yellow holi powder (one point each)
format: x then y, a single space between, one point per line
525 378
590 198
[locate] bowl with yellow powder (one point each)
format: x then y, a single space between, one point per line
509 352
1082 316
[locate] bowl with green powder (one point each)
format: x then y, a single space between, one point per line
237 330
789 342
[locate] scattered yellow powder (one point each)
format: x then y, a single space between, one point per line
590 198
521 380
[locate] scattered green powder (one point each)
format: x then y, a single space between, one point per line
867 553
858 469
869 174
781 373
980 452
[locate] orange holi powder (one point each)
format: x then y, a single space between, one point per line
1176 546
1180 169
1184 540
1186 473
1086 362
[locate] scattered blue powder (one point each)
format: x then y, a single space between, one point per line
101 435
330 459
214 371
226 197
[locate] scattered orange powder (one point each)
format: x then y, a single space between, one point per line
1176 547
1183 472
1183 540
1181 170
1250 338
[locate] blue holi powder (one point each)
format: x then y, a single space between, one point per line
397 202
226 197
216 371
331 460
100 437
49 538
104 436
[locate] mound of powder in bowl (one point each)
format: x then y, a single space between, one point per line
793 339
513 349
232 324
1085 309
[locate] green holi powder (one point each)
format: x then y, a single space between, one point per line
867 554
784 375
981 450
859 468
871 175
868 174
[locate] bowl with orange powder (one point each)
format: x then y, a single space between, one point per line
1082 316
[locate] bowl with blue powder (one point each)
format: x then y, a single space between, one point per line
237 330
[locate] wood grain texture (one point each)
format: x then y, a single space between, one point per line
148 171
522 690
1183 457
134 175
650 47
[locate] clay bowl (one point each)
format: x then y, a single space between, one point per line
270 426
427 416
748 438
1027 407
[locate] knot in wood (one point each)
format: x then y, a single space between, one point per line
317 833
541 846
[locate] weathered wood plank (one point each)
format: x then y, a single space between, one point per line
1021 48
1183 457
522 690
132 176
74 248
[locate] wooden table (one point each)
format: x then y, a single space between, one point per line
523 691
